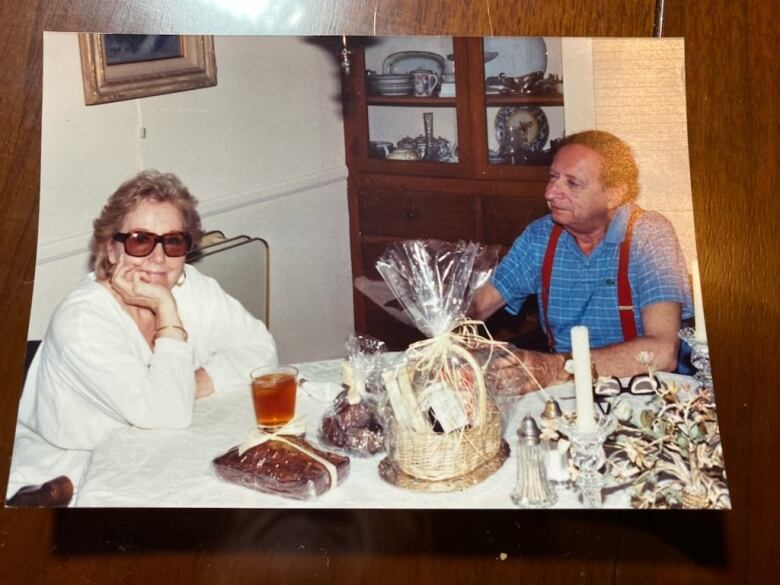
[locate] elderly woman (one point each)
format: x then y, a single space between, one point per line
137 341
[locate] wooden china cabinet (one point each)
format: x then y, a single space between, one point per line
469 195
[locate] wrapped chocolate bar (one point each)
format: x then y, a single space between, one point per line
283 465
352 423
444 430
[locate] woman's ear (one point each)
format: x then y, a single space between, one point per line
111 252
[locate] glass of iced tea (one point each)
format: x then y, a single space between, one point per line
273 395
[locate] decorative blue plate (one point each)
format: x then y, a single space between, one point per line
532 122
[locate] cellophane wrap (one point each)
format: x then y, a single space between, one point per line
284 467
437 389
353 423
434 281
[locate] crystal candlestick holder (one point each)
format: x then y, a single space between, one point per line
588 456
700 356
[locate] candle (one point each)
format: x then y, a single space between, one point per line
698 305
583 382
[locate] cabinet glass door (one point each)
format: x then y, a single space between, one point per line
410 94
523 99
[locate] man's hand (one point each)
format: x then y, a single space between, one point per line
525 371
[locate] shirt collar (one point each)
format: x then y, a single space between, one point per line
617 227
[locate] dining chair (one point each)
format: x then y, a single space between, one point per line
241 266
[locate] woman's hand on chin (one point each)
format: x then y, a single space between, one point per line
134 288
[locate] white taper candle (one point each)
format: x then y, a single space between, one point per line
583 380
698 305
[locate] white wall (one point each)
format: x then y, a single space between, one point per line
263 151
635 88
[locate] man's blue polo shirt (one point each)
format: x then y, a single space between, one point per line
583 289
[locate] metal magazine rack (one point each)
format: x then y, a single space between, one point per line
240 265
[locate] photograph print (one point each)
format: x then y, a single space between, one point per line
375 272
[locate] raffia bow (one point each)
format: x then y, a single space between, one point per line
432 355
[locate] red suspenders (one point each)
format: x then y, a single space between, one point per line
625 304
549 257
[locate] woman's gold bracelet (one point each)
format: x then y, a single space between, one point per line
182 329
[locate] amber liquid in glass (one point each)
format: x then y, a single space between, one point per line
274 399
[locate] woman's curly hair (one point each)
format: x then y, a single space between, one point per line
148 185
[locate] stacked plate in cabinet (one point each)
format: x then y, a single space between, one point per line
390 84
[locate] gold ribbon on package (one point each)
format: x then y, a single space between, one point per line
296 427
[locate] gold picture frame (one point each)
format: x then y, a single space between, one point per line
193 66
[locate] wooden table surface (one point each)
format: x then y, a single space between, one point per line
731 71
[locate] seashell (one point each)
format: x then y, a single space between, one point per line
622 440
694 499
623 411
646 419
697 433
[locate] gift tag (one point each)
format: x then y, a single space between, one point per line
399 393
446 407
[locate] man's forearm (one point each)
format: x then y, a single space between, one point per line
487 300
621 360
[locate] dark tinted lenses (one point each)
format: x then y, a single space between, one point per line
140 244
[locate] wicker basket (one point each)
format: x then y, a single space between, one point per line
433 456
438 456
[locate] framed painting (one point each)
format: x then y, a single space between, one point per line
118 67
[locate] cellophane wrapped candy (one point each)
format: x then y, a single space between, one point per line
288 466
353 423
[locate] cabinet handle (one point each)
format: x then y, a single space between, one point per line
411 214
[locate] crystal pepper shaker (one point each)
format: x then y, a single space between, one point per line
532 489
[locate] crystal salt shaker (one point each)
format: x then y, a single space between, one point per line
532 489
557 457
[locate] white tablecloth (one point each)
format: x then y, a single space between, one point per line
153 468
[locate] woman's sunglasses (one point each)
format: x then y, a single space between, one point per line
639 385
140 244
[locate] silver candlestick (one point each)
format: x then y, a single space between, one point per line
700 356
587 452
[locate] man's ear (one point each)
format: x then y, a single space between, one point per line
616 196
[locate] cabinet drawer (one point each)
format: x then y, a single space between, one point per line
505 217
370 253
410 214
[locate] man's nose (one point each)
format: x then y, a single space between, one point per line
551 191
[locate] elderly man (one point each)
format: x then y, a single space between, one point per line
596 260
